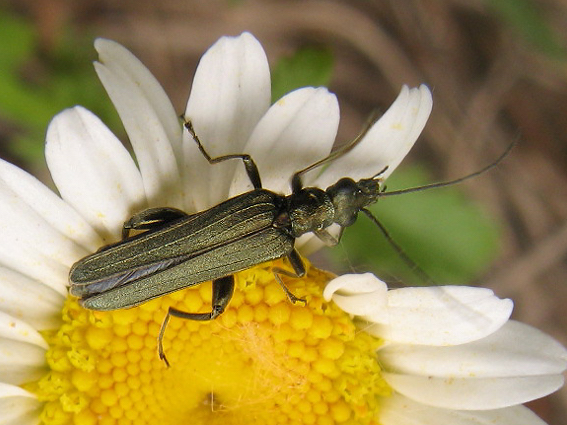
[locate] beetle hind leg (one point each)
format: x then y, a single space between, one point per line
223 288
150 219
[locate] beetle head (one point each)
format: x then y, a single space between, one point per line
349 197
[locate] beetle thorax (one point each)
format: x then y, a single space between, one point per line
309 210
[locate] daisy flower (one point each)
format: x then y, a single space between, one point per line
355 354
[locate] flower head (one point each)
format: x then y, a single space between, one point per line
264 360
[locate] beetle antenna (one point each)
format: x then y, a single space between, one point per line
399 250
296 178
452 182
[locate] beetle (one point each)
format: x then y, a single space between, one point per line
179 250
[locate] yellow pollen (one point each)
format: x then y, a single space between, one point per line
263 361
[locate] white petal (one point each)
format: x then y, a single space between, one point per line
48 205
297 131
473 393
125 65
30 300
444 315
30 417
359 294
230 93
93 171
18 330
528 344
505 353
149 119
21 362
22 351
31 246
399 410
18 406
387 142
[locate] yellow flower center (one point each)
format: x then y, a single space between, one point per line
263 361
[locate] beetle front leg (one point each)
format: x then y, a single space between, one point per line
223 288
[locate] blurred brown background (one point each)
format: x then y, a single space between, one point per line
494 81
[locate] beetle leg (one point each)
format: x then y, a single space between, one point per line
298 271
152 218
223 288
249 164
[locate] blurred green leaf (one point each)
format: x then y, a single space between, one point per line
17 40
34 88
526 17
443 232
309 66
